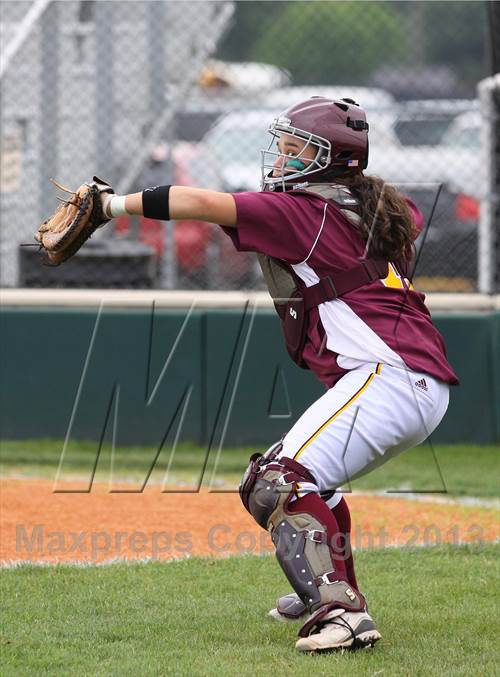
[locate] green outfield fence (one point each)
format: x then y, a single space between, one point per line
154 367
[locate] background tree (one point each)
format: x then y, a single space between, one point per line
332 42
351 42
455 34
318 42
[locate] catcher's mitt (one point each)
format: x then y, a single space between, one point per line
74 220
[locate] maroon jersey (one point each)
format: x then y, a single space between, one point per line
383 321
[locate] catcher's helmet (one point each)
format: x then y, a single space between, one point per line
336 128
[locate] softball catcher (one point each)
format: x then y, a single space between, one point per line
336 248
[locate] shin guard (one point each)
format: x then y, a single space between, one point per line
304 532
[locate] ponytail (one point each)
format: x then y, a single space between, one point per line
387 224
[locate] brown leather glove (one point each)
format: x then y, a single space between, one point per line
74 221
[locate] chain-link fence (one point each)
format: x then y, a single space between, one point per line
144 93
489 222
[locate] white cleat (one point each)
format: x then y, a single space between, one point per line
342 630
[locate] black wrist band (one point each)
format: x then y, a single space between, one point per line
155 204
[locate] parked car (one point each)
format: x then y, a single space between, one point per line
464 132
451 248
206 256
201 110
203 107
425 122
370 98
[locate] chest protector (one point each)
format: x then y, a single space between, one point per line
293 301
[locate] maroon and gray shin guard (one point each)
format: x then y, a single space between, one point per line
309 545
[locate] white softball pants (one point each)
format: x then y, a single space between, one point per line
370 415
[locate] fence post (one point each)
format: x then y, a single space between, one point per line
49 103
489 222
104 89
157 92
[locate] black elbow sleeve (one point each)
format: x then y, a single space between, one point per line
155 203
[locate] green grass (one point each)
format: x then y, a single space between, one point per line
435 608
458 470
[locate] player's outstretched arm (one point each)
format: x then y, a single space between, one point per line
175 202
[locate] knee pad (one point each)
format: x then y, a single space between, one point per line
269 483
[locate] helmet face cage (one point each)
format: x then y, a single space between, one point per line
319 163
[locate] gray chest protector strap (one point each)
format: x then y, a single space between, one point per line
293 302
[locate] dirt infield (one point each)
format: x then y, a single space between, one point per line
39 525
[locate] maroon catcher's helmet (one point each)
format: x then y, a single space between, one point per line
337 129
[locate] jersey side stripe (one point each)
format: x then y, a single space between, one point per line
338 412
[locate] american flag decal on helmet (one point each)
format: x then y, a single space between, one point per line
352 163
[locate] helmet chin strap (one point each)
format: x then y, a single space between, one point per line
328 177
295 163
278 187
